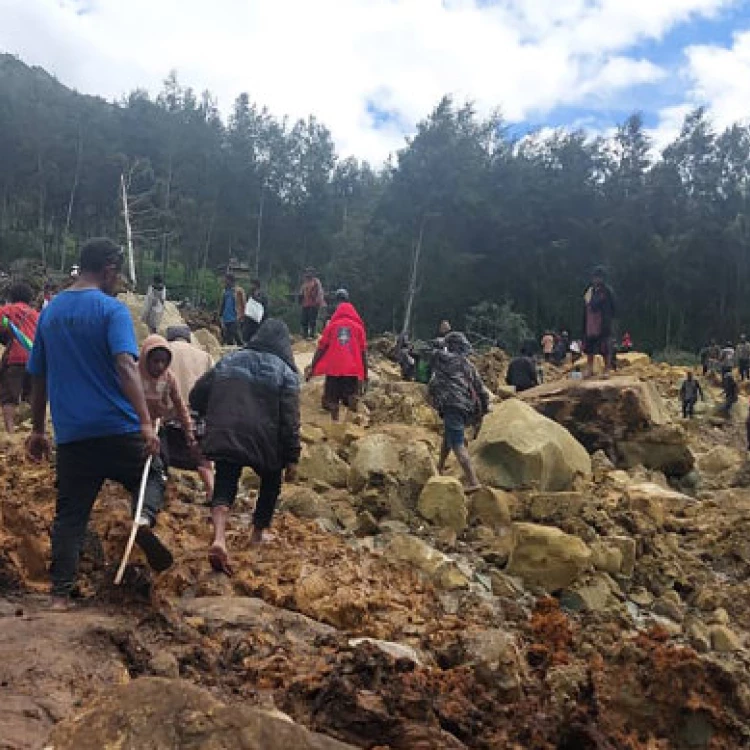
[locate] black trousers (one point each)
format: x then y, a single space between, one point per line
226 485
688 407
230 333
744 367
309 322
82 468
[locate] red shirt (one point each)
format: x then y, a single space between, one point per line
343 342
25 318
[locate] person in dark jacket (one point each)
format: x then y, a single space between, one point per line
458 394
690 390
730 392
598 316
522 372
256 310
251 404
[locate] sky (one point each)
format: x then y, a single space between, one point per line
370 70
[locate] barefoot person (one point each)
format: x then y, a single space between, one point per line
458 394
251 404
598 315
84 358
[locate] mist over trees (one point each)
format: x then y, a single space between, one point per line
502 217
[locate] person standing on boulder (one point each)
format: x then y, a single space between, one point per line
743 358
250 401
460 398
522 372
232 311
690 390
312 298
85 359
14 380
153 308
342 357
598 316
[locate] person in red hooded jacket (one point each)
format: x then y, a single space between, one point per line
341 356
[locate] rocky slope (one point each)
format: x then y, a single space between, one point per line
577 602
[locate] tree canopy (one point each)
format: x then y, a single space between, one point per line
504 218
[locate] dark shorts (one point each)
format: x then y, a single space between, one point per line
15 384
454 428
341 390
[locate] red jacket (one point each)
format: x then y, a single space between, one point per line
342 344
25 318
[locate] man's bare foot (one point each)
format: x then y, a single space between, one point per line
60 604
219 560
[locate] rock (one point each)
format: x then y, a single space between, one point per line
443 571
382 461
555 506
442 501
606 558
593 596
520 448
723 639
719 617
720 459
632 359
625 417
668 608
164 664
698 636
396 650
627 548
505 586
655 502
367 525
641 597
310 434
490 507
152 713
449 577
305 502
135 303
547 557
208 342
321 462
496 659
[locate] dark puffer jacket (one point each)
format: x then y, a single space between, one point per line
251 403
455 383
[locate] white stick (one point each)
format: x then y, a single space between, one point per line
128 229
138 509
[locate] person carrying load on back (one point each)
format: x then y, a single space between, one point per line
18 322
256 310
84 360
727 358
743 357
460 398
250 401
690 390
342 357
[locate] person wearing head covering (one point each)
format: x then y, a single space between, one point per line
312 298
250 402
84 361
460 398
342 357
156 300
598 316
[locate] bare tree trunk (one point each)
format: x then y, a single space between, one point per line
128 230
204 264
412 289
165 234
41 207
260 229
71 200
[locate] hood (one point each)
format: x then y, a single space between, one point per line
346 311
152 342
273 337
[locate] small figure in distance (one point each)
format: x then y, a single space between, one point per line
690 390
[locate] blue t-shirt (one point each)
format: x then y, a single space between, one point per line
229 308
78 337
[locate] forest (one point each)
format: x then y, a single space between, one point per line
504 221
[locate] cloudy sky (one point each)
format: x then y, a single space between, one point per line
370 69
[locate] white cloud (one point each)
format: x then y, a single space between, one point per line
332 57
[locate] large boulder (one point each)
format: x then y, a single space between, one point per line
208 342
547 557
385 462
152 713
518 447
135 303
438 567
321 462
443 502
623 416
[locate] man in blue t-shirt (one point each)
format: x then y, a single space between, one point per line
232 311
84 361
